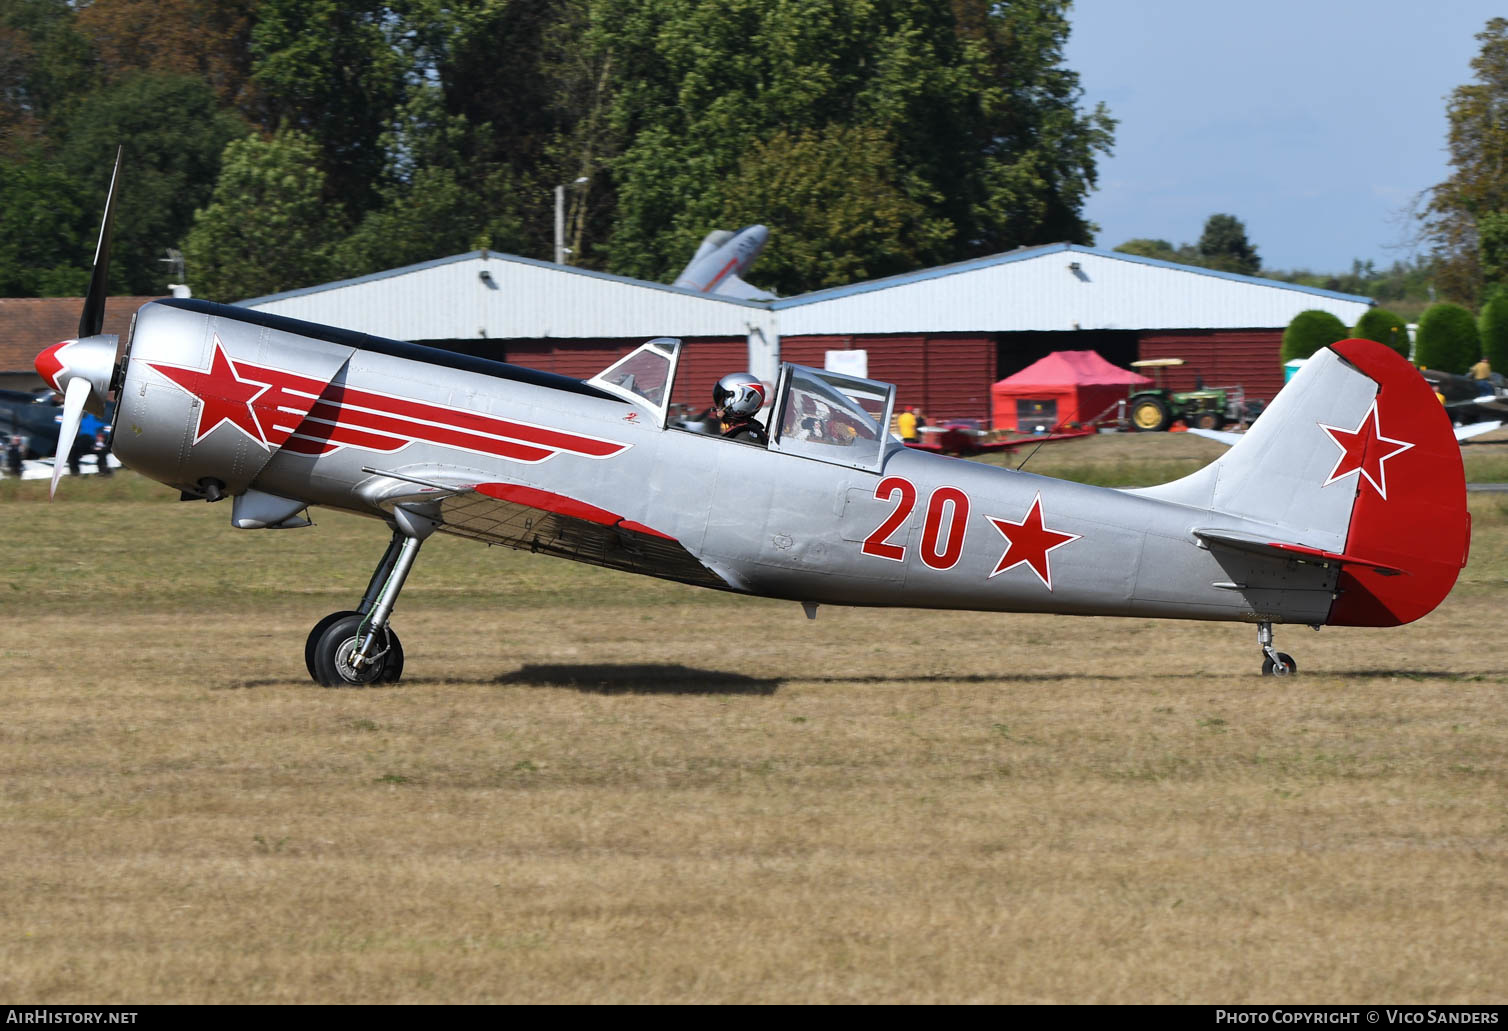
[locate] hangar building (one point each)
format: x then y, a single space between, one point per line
942 335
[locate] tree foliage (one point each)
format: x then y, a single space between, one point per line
1383 326
1447 339
978 118
173 133
265 229
873 136
842 218
1222 246
1464 214
1309 331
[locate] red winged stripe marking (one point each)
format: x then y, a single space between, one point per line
305 416
562 505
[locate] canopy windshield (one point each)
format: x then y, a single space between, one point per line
833 417
643 376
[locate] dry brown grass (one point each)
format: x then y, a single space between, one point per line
594 787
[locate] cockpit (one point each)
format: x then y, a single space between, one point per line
815 413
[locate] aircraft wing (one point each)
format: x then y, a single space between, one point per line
1225 437
511 515
1475 429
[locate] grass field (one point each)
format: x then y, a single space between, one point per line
592 787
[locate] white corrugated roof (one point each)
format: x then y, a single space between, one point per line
490 295
1057 287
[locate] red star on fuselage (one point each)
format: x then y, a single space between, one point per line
1363 450
1029 542
224 395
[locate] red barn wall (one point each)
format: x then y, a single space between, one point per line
947 376
703 360
1248 358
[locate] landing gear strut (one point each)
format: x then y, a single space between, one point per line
1274 663
359 648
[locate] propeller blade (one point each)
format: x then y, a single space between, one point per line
73 413
92 321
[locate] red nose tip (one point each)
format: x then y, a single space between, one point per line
49 364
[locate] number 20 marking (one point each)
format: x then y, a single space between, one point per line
955 501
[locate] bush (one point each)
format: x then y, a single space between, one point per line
1494 327
1309 331
1447 339
1383 326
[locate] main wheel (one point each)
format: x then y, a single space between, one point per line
312 642
1150 414
1288 668
332 655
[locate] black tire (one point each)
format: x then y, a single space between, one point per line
1269 670
312 642
1208 421
1150 415
392 662
331 654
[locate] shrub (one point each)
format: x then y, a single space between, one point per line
1447 339
1494 327
1309 331
1383 326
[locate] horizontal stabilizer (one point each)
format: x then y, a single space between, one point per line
1258 545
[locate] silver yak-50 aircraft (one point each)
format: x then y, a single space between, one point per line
1344 505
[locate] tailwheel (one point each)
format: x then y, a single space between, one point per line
1274 663
335 654
1284 667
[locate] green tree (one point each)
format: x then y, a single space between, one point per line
1309 331
1383 326
843 217
1447 339
45 234
1144 247
978 117
1224 246
1493 327
1477 189
46 62
334 71
174 133
430 218
267 227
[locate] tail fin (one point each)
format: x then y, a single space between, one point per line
1355 457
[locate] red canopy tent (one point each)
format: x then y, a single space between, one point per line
1064 387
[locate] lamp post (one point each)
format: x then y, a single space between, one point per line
560 248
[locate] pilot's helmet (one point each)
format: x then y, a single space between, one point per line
738 394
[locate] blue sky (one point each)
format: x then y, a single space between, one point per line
1314 123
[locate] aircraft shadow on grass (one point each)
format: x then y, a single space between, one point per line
640 678
675 679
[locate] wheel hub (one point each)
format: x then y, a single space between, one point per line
366 673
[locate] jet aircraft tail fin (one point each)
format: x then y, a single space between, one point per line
1355 456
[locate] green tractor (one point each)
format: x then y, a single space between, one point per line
1208 408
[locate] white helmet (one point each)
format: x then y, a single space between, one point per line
738 394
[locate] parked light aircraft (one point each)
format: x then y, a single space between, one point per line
1344 505
723 254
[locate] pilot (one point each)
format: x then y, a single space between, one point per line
735 400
